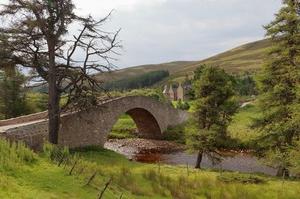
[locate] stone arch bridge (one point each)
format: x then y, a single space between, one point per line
87 128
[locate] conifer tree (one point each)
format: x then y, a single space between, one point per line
279 86
12 95
214 107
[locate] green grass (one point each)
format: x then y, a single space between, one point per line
41 177
240 127
124 128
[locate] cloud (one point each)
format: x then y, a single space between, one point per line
155 31
189 29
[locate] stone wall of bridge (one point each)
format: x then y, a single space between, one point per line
87 128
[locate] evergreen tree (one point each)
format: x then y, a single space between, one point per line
214 107
279 86
12 95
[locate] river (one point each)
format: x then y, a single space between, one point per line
153 151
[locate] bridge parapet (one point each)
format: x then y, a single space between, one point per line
24 119
91 127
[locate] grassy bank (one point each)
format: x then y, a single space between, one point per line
240 127
24 174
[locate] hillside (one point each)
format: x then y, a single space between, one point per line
248 57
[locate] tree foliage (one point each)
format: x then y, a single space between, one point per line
245 84
12 93
35 35
138 82
214 107
279 85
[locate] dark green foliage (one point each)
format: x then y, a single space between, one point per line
197 75
245 85
175 134
141 81
214 107
241 178
12 93
182 105
279 85
198 72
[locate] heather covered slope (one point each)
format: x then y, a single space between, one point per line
248 57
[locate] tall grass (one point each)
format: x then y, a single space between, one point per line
14 155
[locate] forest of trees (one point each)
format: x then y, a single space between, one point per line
137 82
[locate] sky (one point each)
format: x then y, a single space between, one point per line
158 31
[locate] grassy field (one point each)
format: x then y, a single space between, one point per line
240 127
24 174
248 57
124 128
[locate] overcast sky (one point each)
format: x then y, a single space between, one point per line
156 31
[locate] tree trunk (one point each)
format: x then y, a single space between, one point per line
199 160
53 101
282 172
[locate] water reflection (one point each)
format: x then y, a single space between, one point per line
242 162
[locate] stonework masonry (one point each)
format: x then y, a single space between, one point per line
89 128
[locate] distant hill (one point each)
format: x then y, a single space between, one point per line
248 57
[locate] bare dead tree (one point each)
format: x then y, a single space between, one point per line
34 34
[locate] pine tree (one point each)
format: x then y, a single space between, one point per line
214 107
279 85
12 95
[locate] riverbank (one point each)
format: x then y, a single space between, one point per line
25 174
171 153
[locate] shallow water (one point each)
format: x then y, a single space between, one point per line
241 162
238 162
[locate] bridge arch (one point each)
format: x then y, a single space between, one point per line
145 123
91 127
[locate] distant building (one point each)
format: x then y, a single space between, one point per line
180 93
176 92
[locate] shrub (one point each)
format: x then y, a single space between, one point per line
176 133
182 105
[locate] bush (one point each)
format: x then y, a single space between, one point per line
176 134
241 178
182 105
